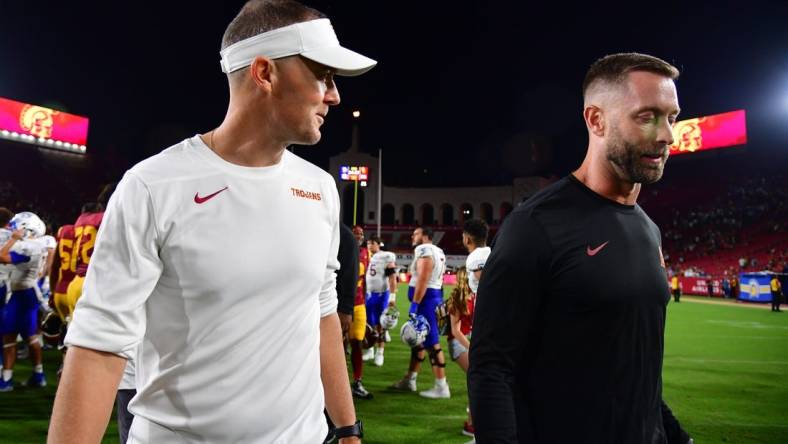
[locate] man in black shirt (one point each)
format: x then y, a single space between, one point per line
569 324
347 275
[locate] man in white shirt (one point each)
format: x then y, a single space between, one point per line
474 238
216 259
425 292
381 289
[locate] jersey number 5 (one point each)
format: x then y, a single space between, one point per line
66 248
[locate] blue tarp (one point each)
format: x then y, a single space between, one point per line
754 287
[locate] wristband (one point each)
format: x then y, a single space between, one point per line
352 430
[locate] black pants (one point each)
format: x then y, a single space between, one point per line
676 295
776 301
124 417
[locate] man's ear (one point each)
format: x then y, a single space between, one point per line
262 73
594 117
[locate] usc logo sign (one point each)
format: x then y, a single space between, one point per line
37 120
688 136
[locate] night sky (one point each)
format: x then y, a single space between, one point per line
472 93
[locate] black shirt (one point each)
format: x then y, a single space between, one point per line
347 275
569 324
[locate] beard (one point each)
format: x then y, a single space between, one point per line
627 157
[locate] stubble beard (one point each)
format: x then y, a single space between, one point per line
626 157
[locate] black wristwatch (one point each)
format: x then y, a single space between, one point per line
348 431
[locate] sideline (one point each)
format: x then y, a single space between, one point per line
728 302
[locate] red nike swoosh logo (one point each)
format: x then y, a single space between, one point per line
199 200
593 252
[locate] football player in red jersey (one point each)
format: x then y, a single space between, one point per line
358 329
85 230
62 273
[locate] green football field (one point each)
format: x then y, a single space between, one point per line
725 377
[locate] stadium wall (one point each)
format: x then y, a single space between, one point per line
414 206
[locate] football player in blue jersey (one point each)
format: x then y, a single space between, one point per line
20 315
381 290
425 291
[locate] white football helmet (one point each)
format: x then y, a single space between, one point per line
414 332
390 318
32 224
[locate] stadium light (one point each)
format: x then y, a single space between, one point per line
356 114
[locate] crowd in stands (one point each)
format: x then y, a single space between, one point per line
52 184
722 226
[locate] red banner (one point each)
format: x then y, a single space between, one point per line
42 123
710 132
699 286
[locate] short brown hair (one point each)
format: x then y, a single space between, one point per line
5 217
259 16
426 231
613 68
106 193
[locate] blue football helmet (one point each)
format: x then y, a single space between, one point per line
414 332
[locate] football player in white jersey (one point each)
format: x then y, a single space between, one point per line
474 238
381 289
425 292
20 316
50 246
5 269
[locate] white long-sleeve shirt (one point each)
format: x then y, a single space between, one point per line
219 274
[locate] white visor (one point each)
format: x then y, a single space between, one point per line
314 40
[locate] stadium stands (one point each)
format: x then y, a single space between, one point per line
717 218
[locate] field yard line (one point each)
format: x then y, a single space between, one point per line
739 424
780 338
728 302
747 324
725 361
